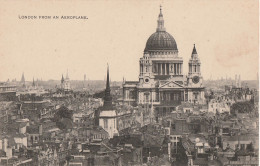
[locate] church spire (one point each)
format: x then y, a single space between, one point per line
62 79
33 84
108 83
23 79
194 54
160 22
107 99
194 51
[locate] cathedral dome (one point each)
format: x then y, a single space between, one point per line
160 40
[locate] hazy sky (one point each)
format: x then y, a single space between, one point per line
225 33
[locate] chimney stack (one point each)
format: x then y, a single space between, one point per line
236 80
239 81
40 129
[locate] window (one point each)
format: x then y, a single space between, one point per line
147 97
164 111
173 126
105 124
196 96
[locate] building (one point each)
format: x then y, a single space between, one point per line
65 83
107 113
7 92
216 106
33 89
162 84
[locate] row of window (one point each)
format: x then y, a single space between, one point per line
162 53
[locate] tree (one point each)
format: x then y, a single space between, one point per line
242 107
60 125
100 94
63 112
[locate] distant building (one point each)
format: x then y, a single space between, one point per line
215 106
65 83
7 92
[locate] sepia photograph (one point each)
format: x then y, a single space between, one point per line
129 83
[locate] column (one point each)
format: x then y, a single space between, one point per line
180 68
141 69
158 71
174 68
161 69
177 68
165 69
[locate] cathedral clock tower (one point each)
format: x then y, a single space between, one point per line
194 75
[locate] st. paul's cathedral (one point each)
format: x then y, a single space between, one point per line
162 86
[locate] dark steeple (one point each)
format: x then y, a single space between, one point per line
33 84
107 99
194 51
108 83
23 79
62 79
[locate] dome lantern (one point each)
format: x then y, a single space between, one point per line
160 22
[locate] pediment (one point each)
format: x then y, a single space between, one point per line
171 85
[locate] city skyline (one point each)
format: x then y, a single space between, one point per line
224 33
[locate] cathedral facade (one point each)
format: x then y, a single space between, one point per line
162 85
